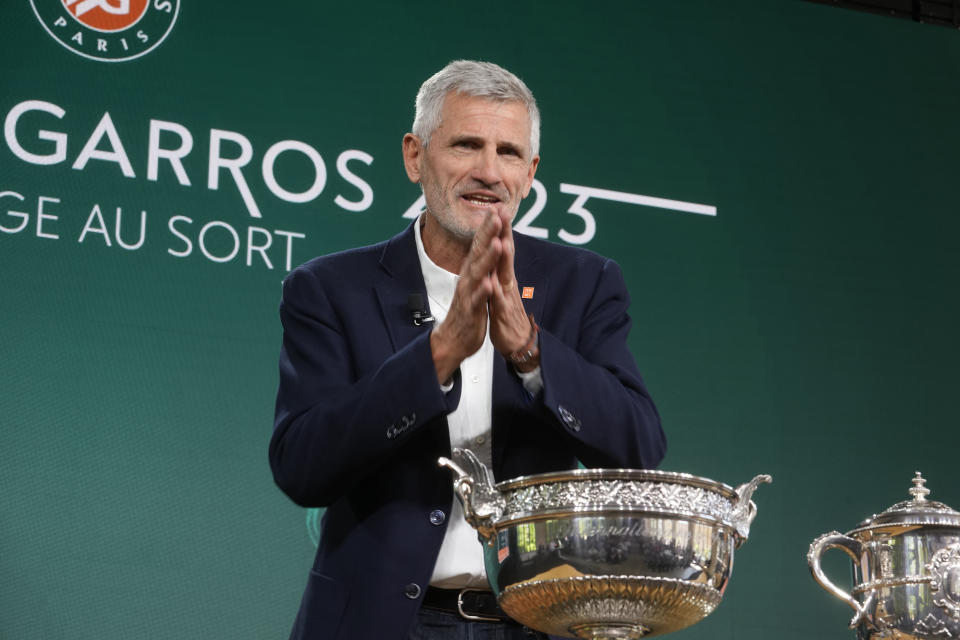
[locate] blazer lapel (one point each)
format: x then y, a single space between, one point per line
509 396
533 282
402 265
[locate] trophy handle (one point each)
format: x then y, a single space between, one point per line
474 486
745 510
854 549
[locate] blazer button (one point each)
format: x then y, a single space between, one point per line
412 591
437 517
568 418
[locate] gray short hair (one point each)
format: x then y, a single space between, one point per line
472 78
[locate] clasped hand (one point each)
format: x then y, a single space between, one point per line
487 287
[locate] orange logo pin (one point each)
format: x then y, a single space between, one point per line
527 293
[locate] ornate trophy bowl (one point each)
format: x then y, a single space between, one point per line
605 553
906 570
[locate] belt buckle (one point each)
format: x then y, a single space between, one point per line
469 616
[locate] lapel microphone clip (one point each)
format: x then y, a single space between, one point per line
419 309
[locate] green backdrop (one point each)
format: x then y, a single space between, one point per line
807 330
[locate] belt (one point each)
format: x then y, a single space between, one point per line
470 604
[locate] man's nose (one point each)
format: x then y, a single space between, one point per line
487 167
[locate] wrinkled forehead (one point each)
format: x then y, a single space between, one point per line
466 111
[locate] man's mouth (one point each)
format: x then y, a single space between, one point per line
480 199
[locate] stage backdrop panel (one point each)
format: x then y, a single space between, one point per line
794 302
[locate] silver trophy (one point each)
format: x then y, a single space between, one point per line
906 570
605 553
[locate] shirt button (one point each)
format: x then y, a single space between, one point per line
480 440
475 379
437 517
412 591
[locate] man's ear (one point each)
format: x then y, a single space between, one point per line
530 173
412 153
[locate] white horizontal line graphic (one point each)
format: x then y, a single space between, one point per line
635 198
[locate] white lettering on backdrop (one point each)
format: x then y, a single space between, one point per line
230 153
36 132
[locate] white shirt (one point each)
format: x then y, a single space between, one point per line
460 563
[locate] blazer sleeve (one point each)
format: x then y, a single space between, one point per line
334 423
593 388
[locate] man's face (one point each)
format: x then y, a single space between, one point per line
478 160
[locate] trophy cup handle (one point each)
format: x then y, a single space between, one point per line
474 486
854 549
745 510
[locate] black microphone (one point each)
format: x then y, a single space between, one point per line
418 309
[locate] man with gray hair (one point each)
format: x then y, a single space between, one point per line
455 333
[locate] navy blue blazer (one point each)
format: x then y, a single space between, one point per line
361 420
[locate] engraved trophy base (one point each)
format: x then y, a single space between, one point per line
609 631
609 607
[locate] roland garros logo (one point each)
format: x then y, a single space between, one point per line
108 30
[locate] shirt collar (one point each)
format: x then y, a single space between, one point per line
440 282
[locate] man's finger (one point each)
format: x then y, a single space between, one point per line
505 272
489 229
483 256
